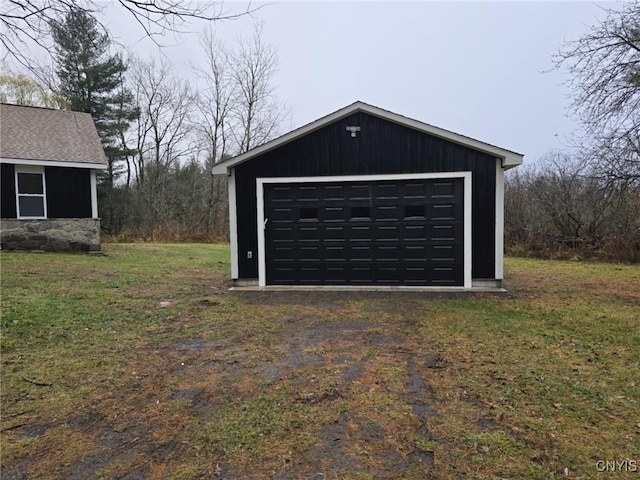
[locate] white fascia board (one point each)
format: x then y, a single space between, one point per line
260 182
508 158
53 163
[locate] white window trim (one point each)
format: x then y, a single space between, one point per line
260 182
30 169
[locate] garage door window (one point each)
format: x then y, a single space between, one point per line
414 211
309 214
360 213
31 193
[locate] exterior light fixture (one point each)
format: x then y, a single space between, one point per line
353 130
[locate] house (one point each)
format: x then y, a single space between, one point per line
367 197
48 160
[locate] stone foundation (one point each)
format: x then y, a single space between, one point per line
51 235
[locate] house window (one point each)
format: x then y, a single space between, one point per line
31 192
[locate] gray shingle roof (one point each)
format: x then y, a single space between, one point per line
33 133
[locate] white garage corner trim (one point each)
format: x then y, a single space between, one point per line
233 224
499 241
260 182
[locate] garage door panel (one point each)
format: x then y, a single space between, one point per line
408 232
332 214
442 232
386 191
415 190
282 193
414 231
388 212
361 191
333 192
443 188
307 233
359 233
282 234
386 233
443 211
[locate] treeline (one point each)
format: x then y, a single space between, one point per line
162 134
588 203
182 203
560 207
161 186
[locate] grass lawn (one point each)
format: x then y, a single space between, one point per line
141 365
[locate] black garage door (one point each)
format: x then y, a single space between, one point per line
408 232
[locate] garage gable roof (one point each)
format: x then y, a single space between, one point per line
43 136
509 158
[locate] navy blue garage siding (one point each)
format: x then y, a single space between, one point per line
381 147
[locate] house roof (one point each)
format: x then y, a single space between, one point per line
42 136
509 158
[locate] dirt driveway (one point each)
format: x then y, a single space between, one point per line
355 388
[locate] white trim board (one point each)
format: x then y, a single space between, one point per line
53 163
94 193
507 158
233 224
499 229
260 182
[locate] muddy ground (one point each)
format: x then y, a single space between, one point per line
203 373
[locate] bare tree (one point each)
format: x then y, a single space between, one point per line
559 204
24 23
604 65
215 104
257 112
216 95
237 109
163 129
575 202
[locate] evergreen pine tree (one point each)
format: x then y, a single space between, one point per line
91 80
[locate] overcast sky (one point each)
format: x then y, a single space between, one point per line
481 69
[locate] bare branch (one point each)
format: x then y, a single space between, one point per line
604 65
26 23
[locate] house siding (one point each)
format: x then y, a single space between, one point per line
381 147
8 186
68 192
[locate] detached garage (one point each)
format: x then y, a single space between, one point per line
367 197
